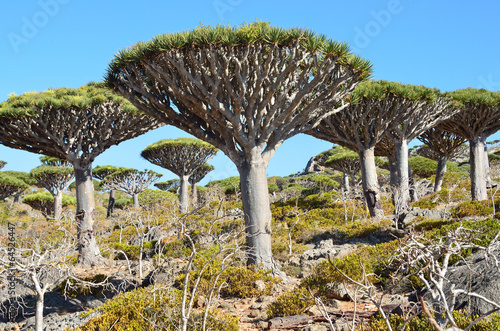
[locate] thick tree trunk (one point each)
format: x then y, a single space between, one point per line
477 168
135 200
88 252
111 203
194 194
346 182
370 182
39 313
402 189
17 197
58 205
184 194
487 172
440 171
255 197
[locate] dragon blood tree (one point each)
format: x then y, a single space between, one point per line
2 164
54 179
24 176
74 125
425 107
375 108
101 172
131 181
182 156
440 146
244 90
10 185
478 118
195 178
345 161
54 162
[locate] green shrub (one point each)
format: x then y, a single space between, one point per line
421 323
425 168
290 303
472 208
373 258
151 197
131 312
122 203
241 282
132 251
73 288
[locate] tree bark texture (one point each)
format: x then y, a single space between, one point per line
477 168
184 194
346 182
370 182
39 313
440 171
88 252
194 194
135 200
58 205
402 189
255 197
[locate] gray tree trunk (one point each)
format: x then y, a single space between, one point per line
194 194
346 182
370 182
58 205
477 168
487 168
184 194
17 197
255 197
39 313
111 203
88 252
440 171
135 200
402 190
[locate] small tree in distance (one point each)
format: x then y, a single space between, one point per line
101 172
195 178
182 156
131 181
54 179
2 164
345 161
440 146
245 90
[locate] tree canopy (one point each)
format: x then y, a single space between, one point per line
10 185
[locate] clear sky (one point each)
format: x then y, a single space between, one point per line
67 43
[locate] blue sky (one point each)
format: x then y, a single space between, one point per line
67 43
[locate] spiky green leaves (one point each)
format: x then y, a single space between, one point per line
46 170
179 142
475 96
101 172
231 36
54 161
10 185
380 89
7 180
85 97
182 156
